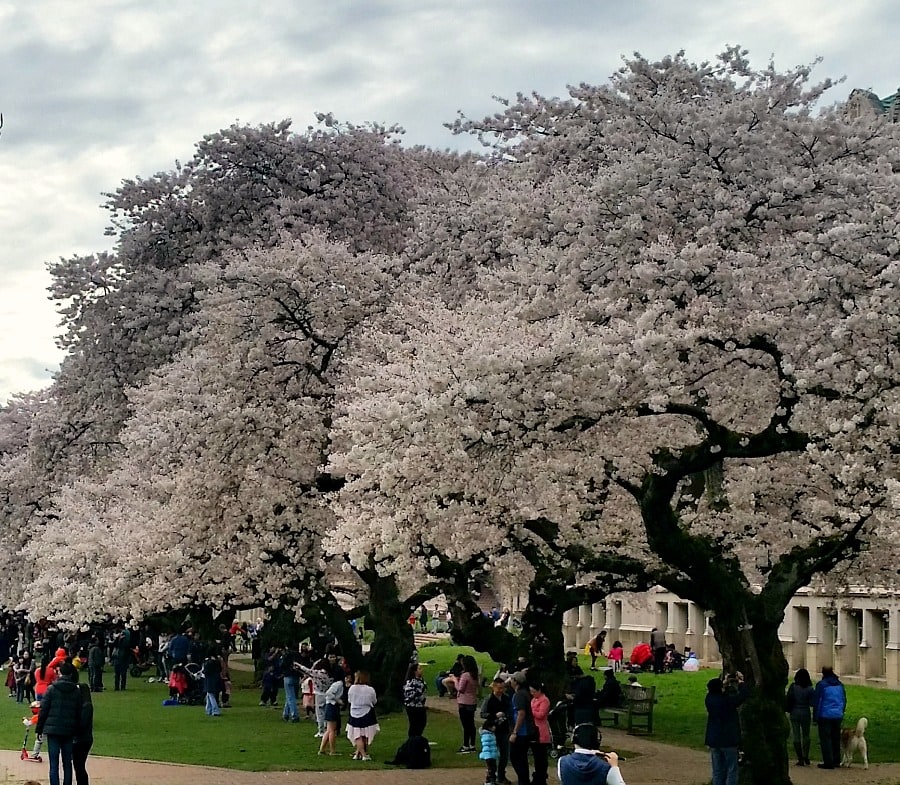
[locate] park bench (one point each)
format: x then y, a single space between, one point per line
637 711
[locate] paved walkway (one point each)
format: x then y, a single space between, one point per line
657 764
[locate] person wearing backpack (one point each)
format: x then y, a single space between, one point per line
828 713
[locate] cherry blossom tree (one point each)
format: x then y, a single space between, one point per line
693 311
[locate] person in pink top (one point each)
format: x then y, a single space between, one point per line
466 700
615 656
540 710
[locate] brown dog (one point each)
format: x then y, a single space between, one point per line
853 740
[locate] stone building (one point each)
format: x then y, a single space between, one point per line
858 632
862 103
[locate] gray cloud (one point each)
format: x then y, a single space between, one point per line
101 90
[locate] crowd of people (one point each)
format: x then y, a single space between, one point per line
323 685
515 731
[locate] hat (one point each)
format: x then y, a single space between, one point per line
518 677
61 653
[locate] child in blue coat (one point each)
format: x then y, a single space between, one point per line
490 753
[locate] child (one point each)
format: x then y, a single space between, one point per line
309 697
490 753
615 656
269 687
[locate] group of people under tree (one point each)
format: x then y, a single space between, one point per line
334 687
64 710
515 728
824 705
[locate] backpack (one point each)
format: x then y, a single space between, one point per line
414 753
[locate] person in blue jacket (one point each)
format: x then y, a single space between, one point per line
587 765
829 705
723 726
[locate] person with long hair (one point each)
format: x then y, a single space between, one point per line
84 739
334 697
799 703
362 724
466 700
540 748
414 700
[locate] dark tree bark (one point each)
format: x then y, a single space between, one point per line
389 657
745 621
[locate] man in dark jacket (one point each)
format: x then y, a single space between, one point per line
60 719
498 706
96 659
829 704
723 726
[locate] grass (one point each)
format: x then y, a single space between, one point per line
679 717
134 724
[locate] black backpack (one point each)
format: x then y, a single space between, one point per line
414 753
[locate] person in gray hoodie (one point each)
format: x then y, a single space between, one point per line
60 720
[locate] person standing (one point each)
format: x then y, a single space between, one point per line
122 655
362 724
830 702
540 746
414 700
212 683
520 734
334 697
658 645
723 726
799 701
290 667
60 720
96 659
498 706
466 701
84 739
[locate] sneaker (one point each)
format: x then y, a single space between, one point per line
318 735
464 749
355 756
366 757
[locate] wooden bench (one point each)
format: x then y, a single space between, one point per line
637 711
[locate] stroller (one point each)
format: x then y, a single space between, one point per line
141 662
29 723
186 684
560 723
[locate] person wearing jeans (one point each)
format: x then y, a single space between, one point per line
723 726
60 721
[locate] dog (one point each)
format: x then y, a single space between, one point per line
853 740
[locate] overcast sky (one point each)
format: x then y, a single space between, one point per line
95 91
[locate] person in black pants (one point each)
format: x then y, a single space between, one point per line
84 739
521 731
414 700
499 706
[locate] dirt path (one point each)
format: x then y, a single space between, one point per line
657 764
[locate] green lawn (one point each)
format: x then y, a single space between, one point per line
135 724
680 718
